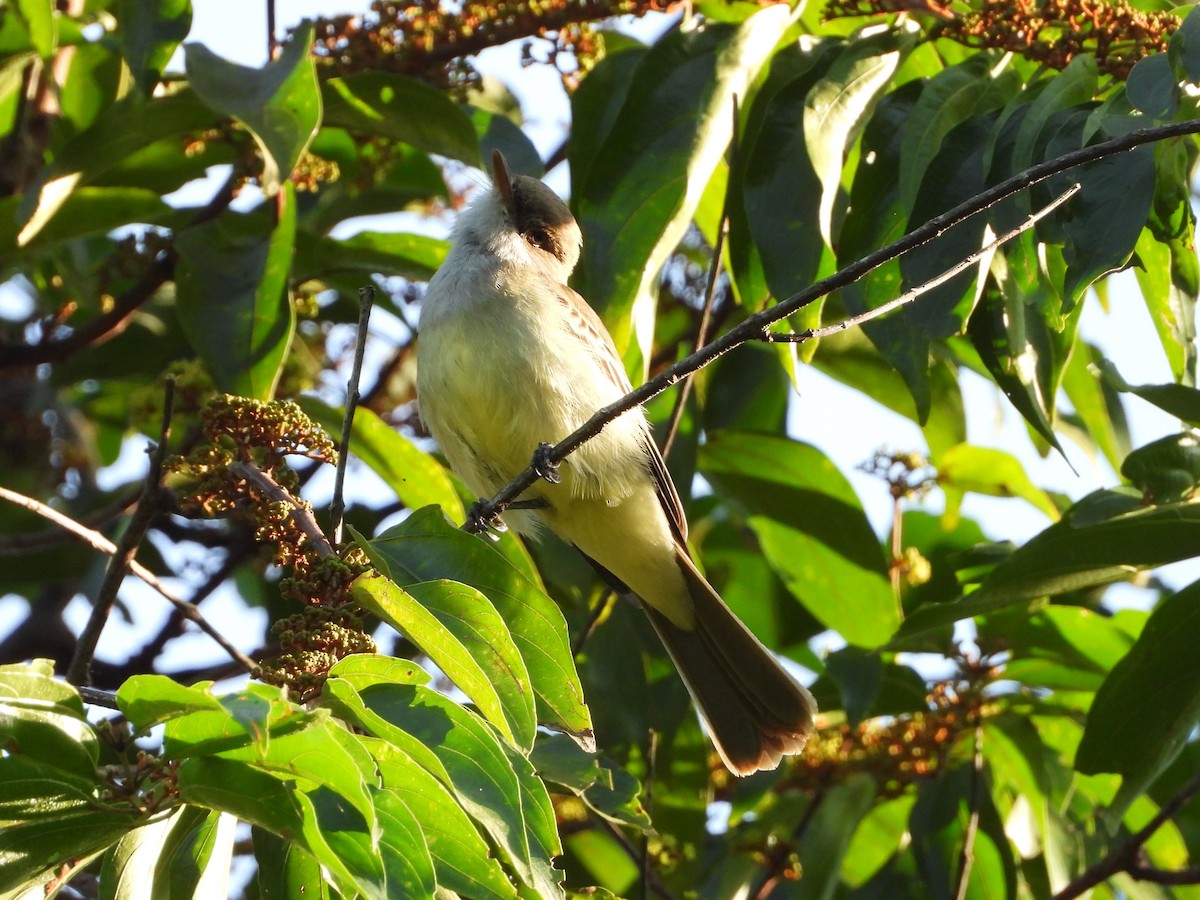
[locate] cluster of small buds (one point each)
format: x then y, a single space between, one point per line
147 784
312 172
312 642
897 752
1051 32
429 39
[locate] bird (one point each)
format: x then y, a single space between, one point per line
510 359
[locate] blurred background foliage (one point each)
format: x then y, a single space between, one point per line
187 239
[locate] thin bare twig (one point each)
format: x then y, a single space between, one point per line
655 884
710 293
966 858
602 606
104 545
1126 858
80 669
911 295
117 318
651 763
783 849
337 509
301 514
97 697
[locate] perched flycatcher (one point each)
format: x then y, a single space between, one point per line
511 357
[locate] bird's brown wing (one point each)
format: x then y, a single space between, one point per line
599 343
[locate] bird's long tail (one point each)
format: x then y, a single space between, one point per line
755 711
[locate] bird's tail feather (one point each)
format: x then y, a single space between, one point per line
755 711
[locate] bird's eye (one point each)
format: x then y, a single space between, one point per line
541 238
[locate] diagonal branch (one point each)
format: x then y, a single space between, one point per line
337 509
755 327
911 295
104 545
80 669
1127 857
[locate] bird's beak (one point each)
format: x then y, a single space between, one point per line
501 179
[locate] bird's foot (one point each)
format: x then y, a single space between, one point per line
483 519
543 465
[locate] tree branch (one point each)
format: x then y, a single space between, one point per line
80 669
116 319
911 295
755 326
710 293
1126 858
337 509
967 857
301 514
104 545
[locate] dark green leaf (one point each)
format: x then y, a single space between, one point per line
1160 666
401 108
498 132
149 32
635 201
233 299
412 256
286 870
1166 470
280 104
1184 48
1177 399
1152 87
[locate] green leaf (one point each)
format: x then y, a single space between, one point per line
413 256
839 105
49 733
80 212
1106 218
831 829
878 835
263 800
48 817
196 856
40 24
1166 470
667 138
938 825
498 132
461 857
120 131
149 700
279 104
401 108
607 789
416 477
1178 400
775 182
1184 48
233 299
1096 403
425 547
947 100
286 870
1169 277
154 859
1105 537
1153 88
988 471
460 630
812 529
859 676
453 745
149 32
1159 665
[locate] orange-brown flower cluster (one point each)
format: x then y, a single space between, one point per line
423 39
1052 32
896 753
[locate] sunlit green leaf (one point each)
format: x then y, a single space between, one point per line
812 529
